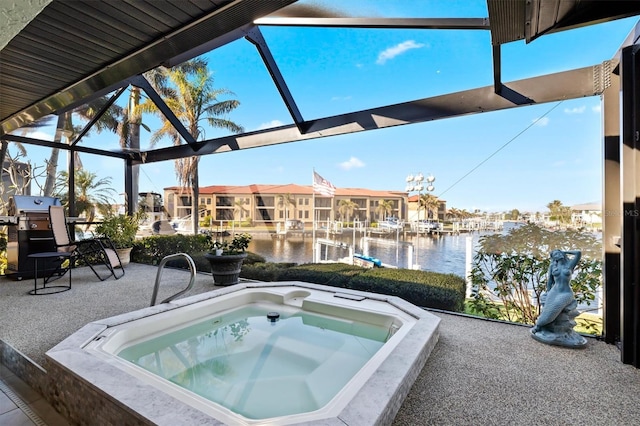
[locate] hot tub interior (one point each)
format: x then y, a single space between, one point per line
260 353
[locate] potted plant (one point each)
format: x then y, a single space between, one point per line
121 229
227 257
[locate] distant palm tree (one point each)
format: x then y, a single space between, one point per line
188 91
430 203
465 214
454 213
384 208
285 201
92 195
240 207
559 212
346 208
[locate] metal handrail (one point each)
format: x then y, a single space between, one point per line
192 267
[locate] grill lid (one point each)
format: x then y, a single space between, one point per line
22 204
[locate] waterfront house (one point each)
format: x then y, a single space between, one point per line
417 211
588 215
263 204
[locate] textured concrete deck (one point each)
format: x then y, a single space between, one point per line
480 373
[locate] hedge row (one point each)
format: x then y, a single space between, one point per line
151 250
422 288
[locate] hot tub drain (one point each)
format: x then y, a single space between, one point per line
273 316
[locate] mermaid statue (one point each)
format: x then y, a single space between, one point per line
559 306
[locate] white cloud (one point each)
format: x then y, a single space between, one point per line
576 110
353 162
596 108
396 50
270 124
541 121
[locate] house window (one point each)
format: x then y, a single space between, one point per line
224 201
265 201
281 214
323 202
306 214
224 214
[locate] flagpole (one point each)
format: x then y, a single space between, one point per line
313 218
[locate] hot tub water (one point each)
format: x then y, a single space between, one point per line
261 368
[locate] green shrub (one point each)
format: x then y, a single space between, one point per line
422 288
425 289
253 258
151 250
264 271
333 274
510 272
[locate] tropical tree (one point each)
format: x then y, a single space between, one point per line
129 134
285 201
384 208
92 195
189 92
17 174
131 116
559 212
239 207
512 270
458 214
65 127
346 208
430 203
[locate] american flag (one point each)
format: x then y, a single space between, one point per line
322 186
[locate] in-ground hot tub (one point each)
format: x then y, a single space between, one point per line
256 354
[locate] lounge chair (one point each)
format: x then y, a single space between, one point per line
92 251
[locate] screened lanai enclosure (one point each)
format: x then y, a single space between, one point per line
95 86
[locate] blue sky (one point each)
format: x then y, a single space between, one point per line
549 151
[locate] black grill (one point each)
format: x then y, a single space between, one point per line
29 232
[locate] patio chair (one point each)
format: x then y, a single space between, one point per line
91 251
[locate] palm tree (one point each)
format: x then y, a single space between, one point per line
384 208
559 212
188 91
92 195
240 207
129 134
346 208
430 203
454 213
65 127
285 201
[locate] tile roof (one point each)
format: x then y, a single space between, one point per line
290 188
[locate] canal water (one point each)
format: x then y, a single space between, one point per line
444 253
447 253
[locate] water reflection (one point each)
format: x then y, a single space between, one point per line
445 253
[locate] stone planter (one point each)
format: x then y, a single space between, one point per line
226 268
124 255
